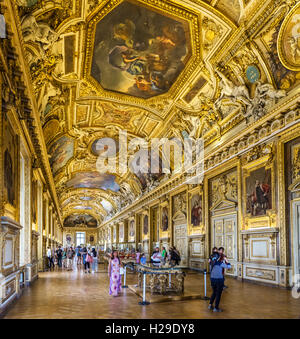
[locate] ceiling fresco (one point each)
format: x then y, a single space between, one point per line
82 208
157 69
61 152
81 220
138 51
94 180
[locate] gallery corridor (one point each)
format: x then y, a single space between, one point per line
74 294
165 134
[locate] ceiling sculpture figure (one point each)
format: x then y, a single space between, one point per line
154 69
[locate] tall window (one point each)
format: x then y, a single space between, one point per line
80 238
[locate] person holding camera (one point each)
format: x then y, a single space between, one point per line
218 263
215 253
222 255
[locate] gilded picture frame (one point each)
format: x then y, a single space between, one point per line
164 220
195 210
259 204
131 230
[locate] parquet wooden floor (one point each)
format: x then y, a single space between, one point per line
62 294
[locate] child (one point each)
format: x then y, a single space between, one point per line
143 259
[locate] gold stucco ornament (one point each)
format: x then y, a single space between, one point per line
288 43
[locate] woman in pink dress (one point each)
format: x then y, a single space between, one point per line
114 274
137 256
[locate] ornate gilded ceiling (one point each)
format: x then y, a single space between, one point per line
156 69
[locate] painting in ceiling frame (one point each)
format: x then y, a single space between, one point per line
139 51
168 12
94 179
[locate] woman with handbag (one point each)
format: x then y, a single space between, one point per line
114 274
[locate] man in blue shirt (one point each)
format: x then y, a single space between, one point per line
218 263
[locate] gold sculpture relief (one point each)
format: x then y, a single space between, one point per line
179 203
289 40
260 273
224 188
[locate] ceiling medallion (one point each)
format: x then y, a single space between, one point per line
288 42
252 73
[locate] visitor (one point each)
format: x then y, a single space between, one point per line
175 256
156 257
64 258
170 256
222 255
78 255
143 259
164 254
59 256
70 255
89 258
217 280
137 256
214 254
114 274
95 261
85 260
50 258
55 257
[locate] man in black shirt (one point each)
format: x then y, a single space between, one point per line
59 256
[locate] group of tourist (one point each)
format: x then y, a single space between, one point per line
158 258
161 258
67 257
88 257
217 261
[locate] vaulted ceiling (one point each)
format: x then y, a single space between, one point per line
152 68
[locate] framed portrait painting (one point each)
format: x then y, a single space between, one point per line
196 210
146 224
131 229
165 219
259 192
